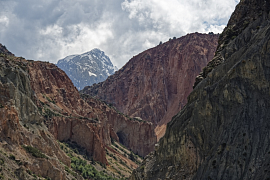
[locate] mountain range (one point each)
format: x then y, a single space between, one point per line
50 130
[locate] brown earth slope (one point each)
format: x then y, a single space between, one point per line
154 85
223 131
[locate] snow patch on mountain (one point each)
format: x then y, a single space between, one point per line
87 68
92 74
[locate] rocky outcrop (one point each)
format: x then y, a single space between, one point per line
137 135
86 121
4 51
223 131
246 14
21 125
154 85
87 68
83 133
39 105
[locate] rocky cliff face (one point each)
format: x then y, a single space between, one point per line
223 131
154 85
88 68
137 135
39 105
4 51
21 126
88 122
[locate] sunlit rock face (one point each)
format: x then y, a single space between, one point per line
85 120
87 68
21 125
154 84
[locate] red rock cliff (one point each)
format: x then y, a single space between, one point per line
21 125
135 134
154 85
88 122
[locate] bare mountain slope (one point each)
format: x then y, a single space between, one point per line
223 131
154 85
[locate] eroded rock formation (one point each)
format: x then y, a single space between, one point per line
223 131
21 125
70 117
39 105
154 85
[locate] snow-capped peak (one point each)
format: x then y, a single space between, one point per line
88 68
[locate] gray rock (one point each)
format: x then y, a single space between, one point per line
19 94
223 131
88 68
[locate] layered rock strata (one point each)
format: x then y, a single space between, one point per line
154 85
39 105
67 114
223 131
21 126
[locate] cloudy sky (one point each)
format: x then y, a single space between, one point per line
49 30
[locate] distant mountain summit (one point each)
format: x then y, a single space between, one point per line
88 68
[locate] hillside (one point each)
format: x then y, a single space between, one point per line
223 131
49 130
154 84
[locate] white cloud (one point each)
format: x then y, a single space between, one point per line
52 29
4 21
181 16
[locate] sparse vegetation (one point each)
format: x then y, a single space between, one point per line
132 157
12 157
81 166
87 170
49 99
34 152
2 162
49 114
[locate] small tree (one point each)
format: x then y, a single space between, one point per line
131 156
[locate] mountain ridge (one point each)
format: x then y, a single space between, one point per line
39 107
223 131
88 68
154 84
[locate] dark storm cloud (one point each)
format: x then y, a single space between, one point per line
52 29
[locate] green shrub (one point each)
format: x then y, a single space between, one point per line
49 99
34 151
12 157
80 165
49 114
87 170
2 162
132 157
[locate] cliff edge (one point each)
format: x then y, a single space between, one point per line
223 131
